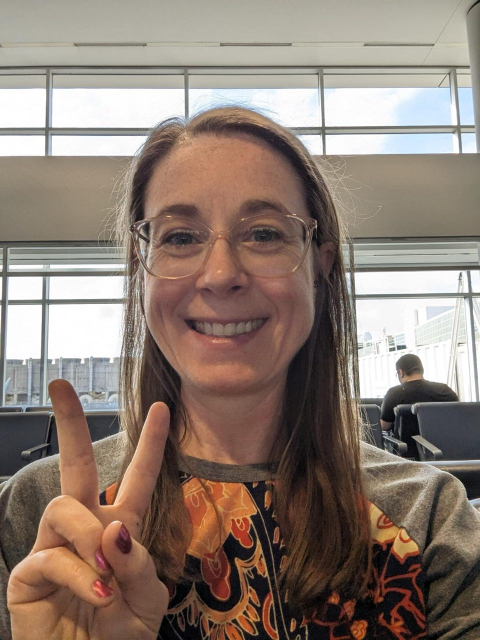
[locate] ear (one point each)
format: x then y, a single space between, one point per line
326 257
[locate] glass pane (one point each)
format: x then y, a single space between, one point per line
89 287
96 145
84 347
313 144
469 143
465 98
459 255
386 100
406 282
390 143
387 329
65 257
22 382
475 275
25 288
22 101
290 100
116 101
22 145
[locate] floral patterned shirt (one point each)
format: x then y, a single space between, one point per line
238 597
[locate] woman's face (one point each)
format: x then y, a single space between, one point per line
218 176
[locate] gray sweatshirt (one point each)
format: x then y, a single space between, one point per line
428 506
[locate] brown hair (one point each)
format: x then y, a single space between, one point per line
318 485
409 364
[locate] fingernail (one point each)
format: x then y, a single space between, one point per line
124 541
101 589
101 561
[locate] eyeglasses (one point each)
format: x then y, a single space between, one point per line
265 245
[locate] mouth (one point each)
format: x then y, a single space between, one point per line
228 330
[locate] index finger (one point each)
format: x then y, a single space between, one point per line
78 471
141 475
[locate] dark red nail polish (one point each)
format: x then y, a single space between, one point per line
101 589
124 540
101 561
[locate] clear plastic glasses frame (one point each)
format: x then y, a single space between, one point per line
140 233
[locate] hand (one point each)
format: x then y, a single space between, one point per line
86 576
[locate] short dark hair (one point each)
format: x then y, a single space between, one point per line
409 364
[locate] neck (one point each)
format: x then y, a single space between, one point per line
232 430
414 376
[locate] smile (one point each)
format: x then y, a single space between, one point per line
229 329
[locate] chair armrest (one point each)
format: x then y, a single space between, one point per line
423 445
475 503
27 454
395 446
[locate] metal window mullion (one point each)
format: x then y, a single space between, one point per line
70 301
321 96
44 342
186 85
48 112
455 111
3 327
407 296
472 347
18 131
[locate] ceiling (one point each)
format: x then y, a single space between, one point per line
194 33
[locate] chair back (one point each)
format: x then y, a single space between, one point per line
102 424
453 427
467 471
371 414
19 431
10 409
377 401
38 407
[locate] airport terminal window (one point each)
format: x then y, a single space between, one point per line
115 101
63 319
291 100
22 101
341 144
469 143
386 100
22 145
96 145
107 112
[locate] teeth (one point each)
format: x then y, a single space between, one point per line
230 329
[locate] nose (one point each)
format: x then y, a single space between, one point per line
221 272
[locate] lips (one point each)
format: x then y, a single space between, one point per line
226 329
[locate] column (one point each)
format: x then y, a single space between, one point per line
473 35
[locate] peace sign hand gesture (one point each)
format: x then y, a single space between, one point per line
87 576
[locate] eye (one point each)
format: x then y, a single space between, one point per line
181 238
265 235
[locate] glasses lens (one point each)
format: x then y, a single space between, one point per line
270 245
174 247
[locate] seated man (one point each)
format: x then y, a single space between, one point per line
412 388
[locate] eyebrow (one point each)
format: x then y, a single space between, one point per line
249 207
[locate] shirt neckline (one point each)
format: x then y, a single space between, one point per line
222 472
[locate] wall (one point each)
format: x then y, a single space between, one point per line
70 199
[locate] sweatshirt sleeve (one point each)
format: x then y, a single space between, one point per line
432 508
23 499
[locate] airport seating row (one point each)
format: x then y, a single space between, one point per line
454 426
28 436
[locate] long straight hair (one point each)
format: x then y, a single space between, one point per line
318 493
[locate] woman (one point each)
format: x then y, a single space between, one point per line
252 511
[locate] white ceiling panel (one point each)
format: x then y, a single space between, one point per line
323 32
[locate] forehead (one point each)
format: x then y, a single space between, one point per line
217 174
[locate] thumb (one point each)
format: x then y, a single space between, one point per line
135 573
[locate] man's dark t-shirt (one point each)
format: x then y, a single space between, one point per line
409 393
